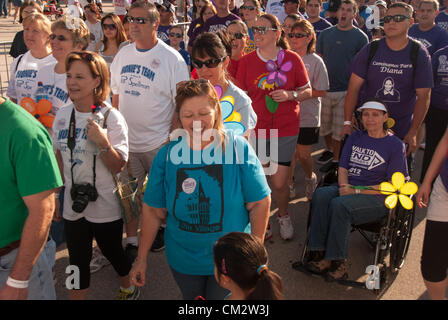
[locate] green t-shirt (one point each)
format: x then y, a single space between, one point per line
27 165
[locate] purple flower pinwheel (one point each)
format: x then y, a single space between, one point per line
277 70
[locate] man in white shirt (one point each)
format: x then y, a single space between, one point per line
144 76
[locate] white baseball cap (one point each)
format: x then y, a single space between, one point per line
373 105
381 3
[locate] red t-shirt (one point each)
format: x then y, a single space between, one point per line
251 77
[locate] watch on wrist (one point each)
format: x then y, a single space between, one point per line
295 95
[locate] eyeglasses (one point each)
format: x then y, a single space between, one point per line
250 8
262 30
177 35
59 37
396 18
139 20
237 35
109 26
211 63
297 35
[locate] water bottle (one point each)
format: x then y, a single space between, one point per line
97 117
41 92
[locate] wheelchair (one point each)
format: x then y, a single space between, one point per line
390 244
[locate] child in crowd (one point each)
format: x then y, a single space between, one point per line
241 267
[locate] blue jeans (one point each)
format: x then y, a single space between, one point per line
3 7
332 217
193 286
41 286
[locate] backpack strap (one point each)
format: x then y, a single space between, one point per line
415 48
372 51
18 62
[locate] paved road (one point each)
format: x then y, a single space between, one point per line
407 285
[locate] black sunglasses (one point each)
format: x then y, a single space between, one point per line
251 8
211 63
177 35
109 26
139 20
237 35
396 18
297 35
59 37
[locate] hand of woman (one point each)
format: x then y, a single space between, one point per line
422 197
97 134
137 274
345 189
280 95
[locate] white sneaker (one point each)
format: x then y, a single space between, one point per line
286 228
310 186
268 233
292 191
98 260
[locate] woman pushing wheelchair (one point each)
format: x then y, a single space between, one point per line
368 158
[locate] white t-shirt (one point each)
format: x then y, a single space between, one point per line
317 73
96 34
146 85
120 6
107 207
275 7
26 76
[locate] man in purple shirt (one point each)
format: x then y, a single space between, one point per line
426 30
313 9
393 60
221 19
442 19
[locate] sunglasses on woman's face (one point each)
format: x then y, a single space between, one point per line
297 35
250 8
110 26
236 35
177 35
211 63
396 18
262 30
59 37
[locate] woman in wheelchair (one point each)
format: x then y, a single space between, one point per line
368 158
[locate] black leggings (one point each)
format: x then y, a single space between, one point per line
434 262
108 235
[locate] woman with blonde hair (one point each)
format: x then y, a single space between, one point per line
87 162
206 182
113 39
26 70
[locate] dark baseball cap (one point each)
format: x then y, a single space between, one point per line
284 1
333 5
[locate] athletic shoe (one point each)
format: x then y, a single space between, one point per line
268 233
338 271
159 241
131 252
310 186
98 260
286 228
318 267
292 191
132 294
325 157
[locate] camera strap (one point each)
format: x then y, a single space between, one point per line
71 143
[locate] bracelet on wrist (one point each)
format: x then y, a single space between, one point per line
357 191
18 284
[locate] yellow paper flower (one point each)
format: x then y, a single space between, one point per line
398 190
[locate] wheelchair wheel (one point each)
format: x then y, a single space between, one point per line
400 237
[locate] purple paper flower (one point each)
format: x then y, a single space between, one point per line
277 70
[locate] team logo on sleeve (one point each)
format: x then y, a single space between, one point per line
366 158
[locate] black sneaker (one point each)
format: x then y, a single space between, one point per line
325 157
159 241
131 252
332 165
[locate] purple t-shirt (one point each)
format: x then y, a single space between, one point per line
439 94
216 23
444 173
320 25
390 78
433 39
442 20
370 161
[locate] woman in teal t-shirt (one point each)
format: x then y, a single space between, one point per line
204 190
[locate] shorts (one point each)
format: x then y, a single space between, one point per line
286 147
17 3
332 114
434 262
308 136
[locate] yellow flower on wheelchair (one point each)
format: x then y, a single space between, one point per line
398 190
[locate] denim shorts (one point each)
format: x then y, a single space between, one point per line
41 286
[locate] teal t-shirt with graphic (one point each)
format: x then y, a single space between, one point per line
205 193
